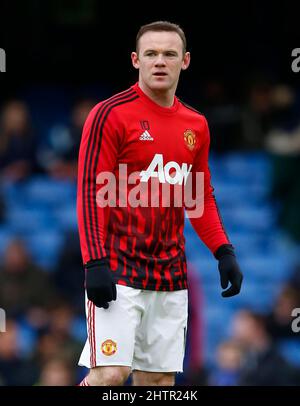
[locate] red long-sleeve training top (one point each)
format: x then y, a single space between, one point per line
130 145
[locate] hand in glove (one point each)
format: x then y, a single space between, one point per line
99 283
229 270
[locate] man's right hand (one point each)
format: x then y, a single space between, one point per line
99 283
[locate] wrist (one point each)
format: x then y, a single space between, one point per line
96 263
224 249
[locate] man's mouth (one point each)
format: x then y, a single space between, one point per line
160 74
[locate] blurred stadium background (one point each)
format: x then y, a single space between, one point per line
61 60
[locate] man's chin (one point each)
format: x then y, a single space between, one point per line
160 85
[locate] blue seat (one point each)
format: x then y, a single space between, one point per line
78 329
266 268
241 184
5 237
13 194
246 242
245 218
26 338
45 247
28 219
234 191
289 349
258 297
49 191
206 268
227 193
250 167
216 322
66 217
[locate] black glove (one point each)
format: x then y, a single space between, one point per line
99 283
229 270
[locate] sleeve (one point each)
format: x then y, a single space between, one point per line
100 143
209 225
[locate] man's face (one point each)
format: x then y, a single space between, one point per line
160 59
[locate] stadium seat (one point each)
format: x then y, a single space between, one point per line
66 217
26 220
45 247
5 238
289 349
265 268
41 210
49 191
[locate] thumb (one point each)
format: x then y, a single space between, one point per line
224 279
114 291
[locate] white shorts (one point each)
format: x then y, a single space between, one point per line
142 329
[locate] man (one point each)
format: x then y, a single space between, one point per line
134 254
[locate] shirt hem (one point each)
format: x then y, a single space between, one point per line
139 285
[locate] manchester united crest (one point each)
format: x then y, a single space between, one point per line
109 347
190 139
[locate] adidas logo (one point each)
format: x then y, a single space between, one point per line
146 136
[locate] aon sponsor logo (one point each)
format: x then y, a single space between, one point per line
171 172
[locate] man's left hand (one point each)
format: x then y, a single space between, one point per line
229 270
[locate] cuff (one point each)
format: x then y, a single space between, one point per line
225 249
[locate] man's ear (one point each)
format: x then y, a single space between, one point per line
186 61
135 60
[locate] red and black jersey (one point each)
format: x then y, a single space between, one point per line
136 140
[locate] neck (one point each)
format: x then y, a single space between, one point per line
164 98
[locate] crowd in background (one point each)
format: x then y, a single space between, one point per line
44 307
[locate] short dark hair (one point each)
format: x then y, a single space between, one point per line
161 26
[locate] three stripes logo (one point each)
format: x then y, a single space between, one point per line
146 136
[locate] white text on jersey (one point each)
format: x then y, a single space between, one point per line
163 171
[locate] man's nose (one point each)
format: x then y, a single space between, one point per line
160 61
